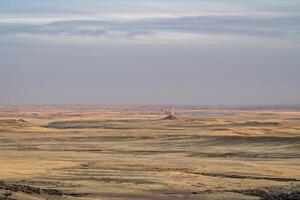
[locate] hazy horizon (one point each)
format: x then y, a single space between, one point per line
148 52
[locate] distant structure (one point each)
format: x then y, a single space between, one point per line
172 115
173 111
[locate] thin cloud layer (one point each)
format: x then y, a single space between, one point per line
287 27
131 19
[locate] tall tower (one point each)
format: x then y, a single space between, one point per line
173 111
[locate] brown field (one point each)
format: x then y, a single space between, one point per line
91 152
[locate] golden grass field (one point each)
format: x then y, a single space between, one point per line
90 152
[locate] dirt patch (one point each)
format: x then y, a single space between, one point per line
250 177
7 198
36 190
256 123
12 122
273 193
244 155
170 117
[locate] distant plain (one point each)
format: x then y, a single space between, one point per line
130 152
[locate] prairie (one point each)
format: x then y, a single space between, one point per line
130 152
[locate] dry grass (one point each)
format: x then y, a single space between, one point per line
129 153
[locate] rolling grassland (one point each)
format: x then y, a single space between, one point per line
90 152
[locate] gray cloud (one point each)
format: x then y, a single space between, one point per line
285 26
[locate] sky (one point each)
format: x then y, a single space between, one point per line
187 52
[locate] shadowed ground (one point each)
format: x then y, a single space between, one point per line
130 153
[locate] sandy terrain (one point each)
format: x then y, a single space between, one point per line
91 152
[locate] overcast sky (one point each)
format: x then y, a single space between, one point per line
204 52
